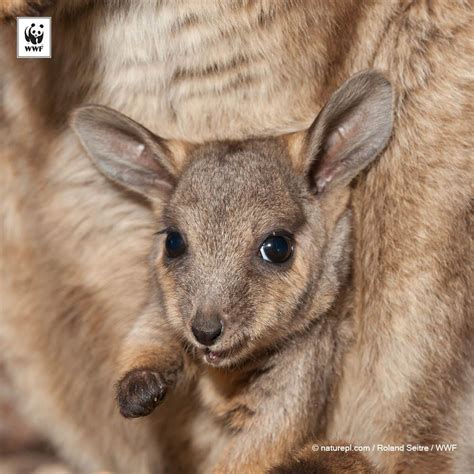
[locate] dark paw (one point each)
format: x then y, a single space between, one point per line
139 392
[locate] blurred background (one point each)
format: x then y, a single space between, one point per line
22 450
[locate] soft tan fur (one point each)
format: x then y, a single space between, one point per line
310 460
76 278
9 9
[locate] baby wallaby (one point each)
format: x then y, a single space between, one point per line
252 246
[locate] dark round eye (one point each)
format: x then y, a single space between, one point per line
276 249
175 246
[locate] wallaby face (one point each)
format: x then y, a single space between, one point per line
239 251
250 239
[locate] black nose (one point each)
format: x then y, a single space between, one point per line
207 328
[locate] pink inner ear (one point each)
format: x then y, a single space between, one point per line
145 159
332 157
337 147
337 136
344 136
129 150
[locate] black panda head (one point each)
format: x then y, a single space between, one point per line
36 31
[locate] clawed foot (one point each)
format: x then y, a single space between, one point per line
139 392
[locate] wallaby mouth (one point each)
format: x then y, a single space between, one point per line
225 357
213 357
216 358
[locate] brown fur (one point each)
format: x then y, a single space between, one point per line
9 9
308 461
406 378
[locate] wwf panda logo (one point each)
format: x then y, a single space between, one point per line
34 34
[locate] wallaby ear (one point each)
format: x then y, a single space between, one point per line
350 131
125 151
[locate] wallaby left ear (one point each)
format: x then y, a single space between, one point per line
126 152
350 131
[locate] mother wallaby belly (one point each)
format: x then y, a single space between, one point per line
197 71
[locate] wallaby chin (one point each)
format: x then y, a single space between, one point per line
251 249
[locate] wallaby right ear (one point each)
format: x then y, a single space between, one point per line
350 131
125 151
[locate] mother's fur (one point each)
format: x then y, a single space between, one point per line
194 71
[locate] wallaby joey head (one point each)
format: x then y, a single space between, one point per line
252 237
